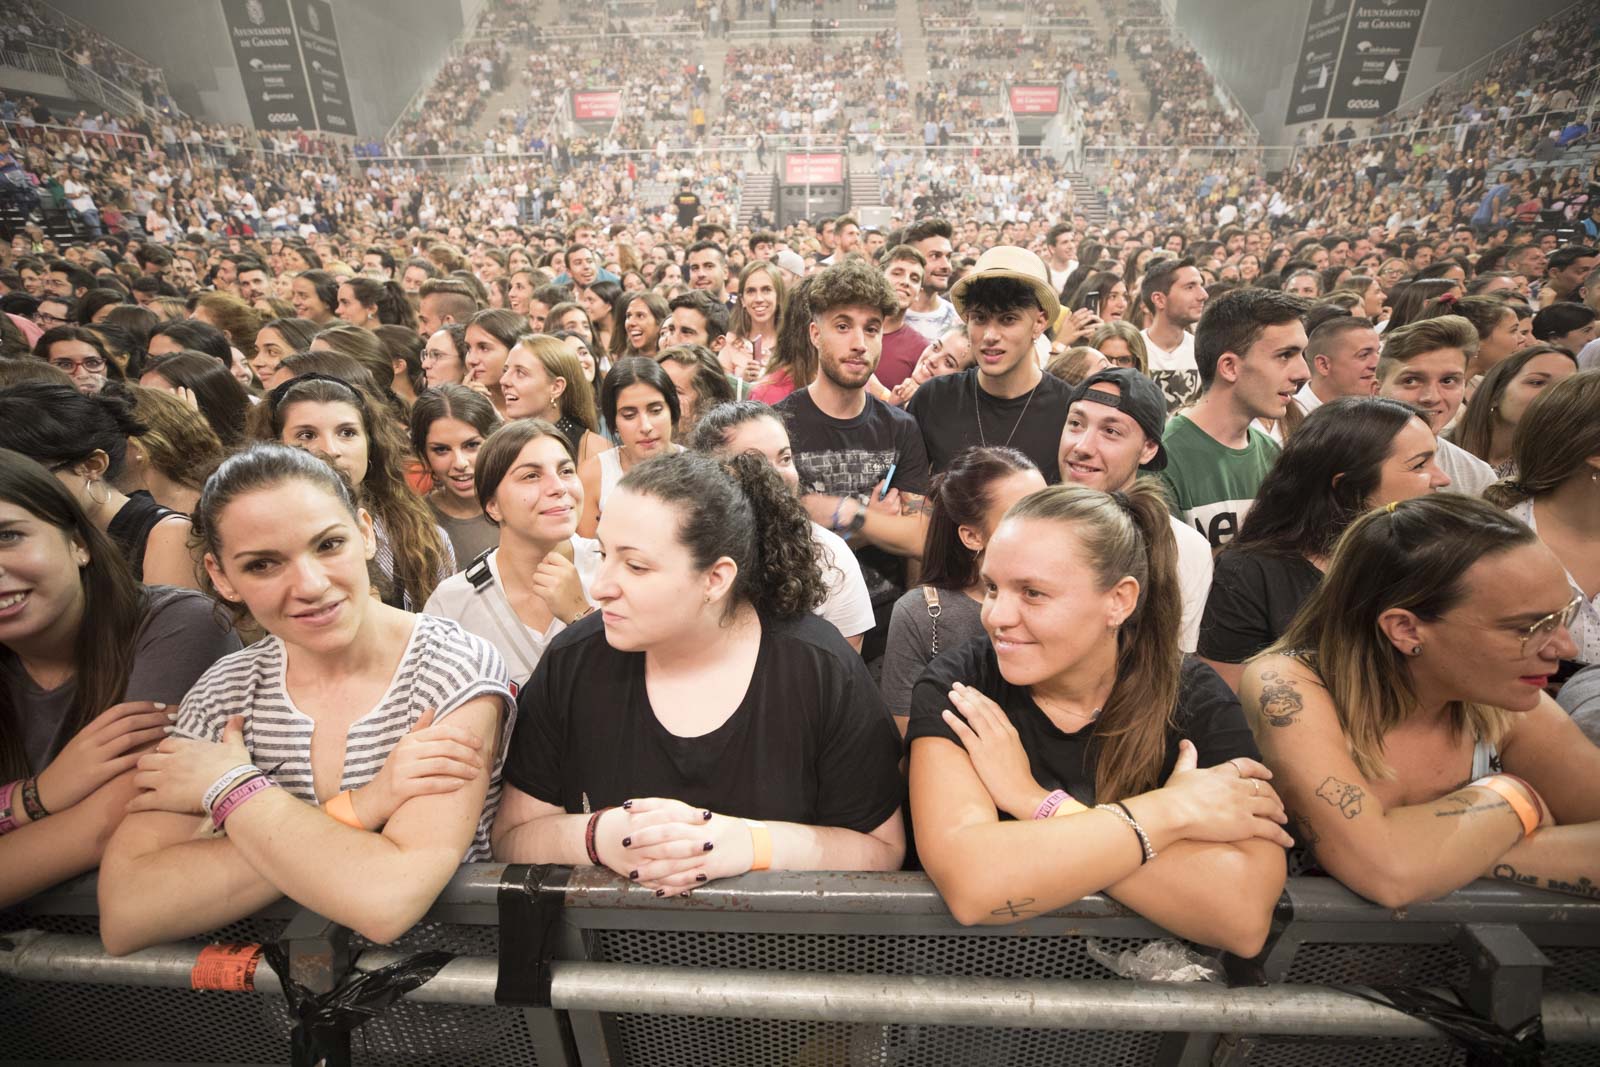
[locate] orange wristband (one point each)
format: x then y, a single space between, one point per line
1526 811
760 845
343 809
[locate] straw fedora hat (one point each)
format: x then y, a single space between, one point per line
1010 261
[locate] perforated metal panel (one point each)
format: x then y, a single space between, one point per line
51 1021
1369 964
679 1041
1573 968
1275 1053
1015 957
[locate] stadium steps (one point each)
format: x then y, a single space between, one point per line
865 188
512 94
1088 199
715 50
758 193
913 43
1100 15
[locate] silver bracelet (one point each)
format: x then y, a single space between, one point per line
1147 852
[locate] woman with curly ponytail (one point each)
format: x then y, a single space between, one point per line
703 695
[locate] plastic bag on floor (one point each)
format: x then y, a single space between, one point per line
1157 961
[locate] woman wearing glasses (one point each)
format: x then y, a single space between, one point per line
82 354
1404 716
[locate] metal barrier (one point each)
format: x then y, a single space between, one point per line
559 967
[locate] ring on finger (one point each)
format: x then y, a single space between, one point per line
1255 785
1234 763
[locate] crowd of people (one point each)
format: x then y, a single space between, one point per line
336 552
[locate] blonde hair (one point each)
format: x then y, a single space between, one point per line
177 439
559 361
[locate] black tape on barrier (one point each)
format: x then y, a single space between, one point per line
1483 1039
358 997
530 900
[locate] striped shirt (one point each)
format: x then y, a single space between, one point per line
443 667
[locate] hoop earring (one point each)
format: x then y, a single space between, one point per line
105 492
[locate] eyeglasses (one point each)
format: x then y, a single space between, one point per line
94 364
1536 638
48 320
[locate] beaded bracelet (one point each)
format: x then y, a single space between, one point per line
30 799
1146 851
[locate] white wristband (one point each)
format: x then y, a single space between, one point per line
224 782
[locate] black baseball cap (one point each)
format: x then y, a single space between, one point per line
1139 397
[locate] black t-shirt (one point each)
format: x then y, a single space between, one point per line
810 743
1254 596
688 205
1208 714
947 410
849 457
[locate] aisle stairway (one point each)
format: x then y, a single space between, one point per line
758 192
913 43
1127 71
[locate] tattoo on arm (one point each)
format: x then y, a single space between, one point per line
1466 804
1281 703
1342 795
1016 909
912 504
1583 887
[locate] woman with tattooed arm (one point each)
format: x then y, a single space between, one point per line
1404 713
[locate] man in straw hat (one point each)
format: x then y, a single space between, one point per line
1005 398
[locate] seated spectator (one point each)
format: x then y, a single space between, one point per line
350 821
91 667
444 357
1557 482
661 733
448 428
941 614
315 296
746 426
344 425
639 401
1571 326
1076 716
83 441
1417 665
534 582
490 336
1350 455
200 380
276 340
1489 423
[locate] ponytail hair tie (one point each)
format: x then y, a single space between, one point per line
1448 297
1122 500
1391 505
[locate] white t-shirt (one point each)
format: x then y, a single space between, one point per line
1307 400
443 668
1194 580
1175 371
1468 474
848 605
487 613
933 323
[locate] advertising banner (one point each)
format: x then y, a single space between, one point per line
1376 56
1319 55
268 54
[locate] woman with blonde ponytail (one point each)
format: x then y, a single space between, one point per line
1072 750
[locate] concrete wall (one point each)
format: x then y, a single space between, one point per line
388 47
1253 44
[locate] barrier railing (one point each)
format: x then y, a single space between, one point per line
557 967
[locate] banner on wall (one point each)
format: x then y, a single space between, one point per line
1319 57
1378 45
1035 99
596 105
813 168
267 51
324 65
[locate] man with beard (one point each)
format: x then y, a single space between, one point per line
1175 294
863 468
931 314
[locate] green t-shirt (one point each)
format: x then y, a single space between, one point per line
1209 485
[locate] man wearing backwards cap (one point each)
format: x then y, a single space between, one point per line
1005 399
1113 431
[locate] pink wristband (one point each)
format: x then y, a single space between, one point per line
1050 803
236 796
8 815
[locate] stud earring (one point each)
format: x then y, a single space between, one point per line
1416 650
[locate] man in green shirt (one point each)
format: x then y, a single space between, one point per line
1250 352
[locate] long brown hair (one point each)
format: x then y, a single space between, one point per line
1475 431
1412 555
408 526
739 322
114 611
1128 534
793 351
1557 435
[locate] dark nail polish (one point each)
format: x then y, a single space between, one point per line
627 804
707 848
626 841
633 875
706 815
699 877
661 892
